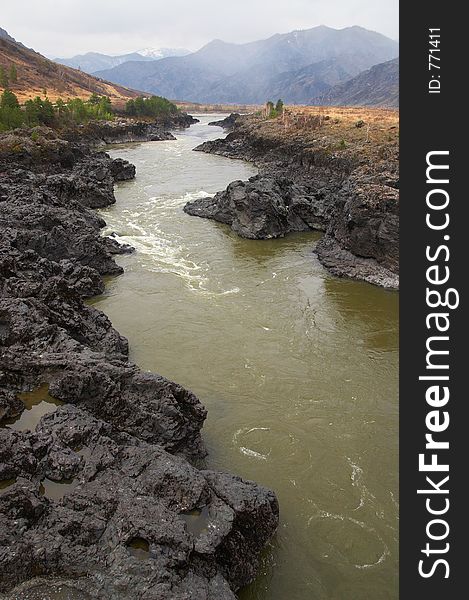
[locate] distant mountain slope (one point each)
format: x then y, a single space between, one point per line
94 61
378 86
35 73
250 73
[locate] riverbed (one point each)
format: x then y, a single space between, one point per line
298 369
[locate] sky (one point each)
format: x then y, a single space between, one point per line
63 28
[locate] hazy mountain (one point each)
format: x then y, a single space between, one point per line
378 86
36 73
157 53
94 61
284 65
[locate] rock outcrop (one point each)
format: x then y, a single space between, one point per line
121 131
312 181
264 207
227 123
103 493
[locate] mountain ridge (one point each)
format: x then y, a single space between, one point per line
91 62
378 86
252 72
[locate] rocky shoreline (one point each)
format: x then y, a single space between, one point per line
310 177
103 490
122 131
228 123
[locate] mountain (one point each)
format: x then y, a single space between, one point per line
295 66
94 61
157 53
6 36
378 86
36 73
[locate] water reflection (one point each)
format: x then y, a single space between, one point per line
37 403
139 548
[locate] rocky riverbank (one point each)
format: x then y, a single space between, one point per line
121 131
333 172
103 493
227 123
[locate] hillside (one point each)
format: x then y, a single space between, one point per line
35 73
6 36
378 86
252 72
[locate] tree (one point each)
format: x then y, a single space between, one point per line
130 108
94 99
156 106
9 100
11 115
77 110
105 107
46 111
30 113
13 74
279 107
139 106
39 112
3 78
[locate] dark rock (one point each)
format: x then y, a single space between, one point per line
263 207
343 263
112 461
227 123
122 170
303 185
123 131
126 489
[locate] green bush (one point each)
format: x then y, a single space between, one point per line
13 74
11 115
41 111
156 106
3 77
272 110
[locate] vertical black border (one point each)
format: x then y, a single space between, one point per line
431 122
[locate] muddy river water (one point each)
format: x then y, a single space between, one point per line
298 369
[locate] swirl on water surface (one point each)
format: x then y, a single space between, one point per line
245 431
341 538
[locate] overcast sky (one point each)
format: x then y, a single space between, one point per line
62 28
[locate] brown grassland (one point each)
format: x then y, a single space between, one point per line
36 74
369 132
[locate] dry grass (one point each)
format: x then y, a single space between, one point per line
369 132
37 74
196 107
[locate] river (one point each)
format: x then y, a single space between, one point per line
298 369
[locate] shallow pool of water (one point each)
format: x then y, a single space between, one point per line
37 403
56 490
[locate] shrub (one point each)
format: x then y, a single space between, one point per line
13 74
11 115
156 106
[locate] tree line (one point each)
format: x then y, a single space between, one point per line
62 113
155 106
41 111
